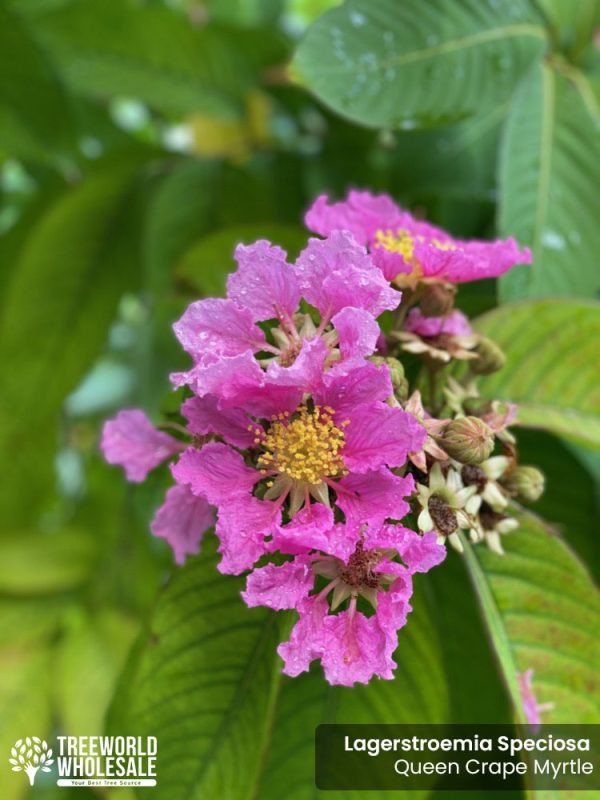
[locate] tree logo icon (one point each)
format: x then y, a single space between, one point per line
29 756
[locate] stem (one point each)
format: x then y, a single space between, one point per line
174 426
325 591
323 324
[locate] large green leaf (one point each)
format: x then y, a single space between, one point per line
116 47
418 694
549 176
413 64
571 507
203 680
542 612
34 112
66 283
551 370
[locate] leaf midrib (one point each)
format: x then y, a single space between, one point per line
472 40
233 708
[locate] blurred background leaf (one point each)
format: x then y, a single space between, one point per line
412 65
551 369
549 173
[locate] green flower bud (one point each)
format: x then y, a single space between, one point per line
468 440
397 376
525 482
491 358
437 299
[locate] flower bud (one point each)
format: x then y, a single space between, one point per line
491 358
397 377
437 299
468 440
526 482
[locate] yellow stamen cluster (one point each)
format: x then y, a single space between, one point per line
305 446
400 242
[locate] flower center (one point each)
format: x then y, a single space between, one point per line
400 242
359 571
442 515
305 446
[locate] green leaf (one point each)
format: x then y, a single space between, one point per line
205 266
573 24
542 612
416 65
34 111
572 506
66 283
551 370
549 175
105 48
88 660
41 563
418 694
203 680
24 706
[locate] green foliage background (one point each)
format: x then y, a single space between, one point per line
139 141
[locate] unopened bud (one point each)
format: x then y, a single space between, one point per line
528 483
437 299
468 440
491 358
399 382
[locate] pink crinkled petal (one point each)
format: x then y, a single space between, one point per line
374 496
356 649
390 264
217 327
358 332
205 417
239 382
471 260
243 525
378 436
280 587
421 553
454 324
182 520
393 606
216 472
306 640
362 213
313 528
344 391
131 441
264 283
306 373
337 273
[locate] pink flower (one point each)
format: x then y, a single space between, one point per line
336 276
336 452
131 441
352 646
408 250
454 324
531 707
182 520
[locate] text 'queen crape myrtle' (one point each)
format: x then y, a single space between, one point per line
304 444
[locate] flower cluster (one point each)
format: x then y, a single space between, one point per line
303 445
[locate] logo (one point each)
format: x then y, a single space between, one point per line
30 756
